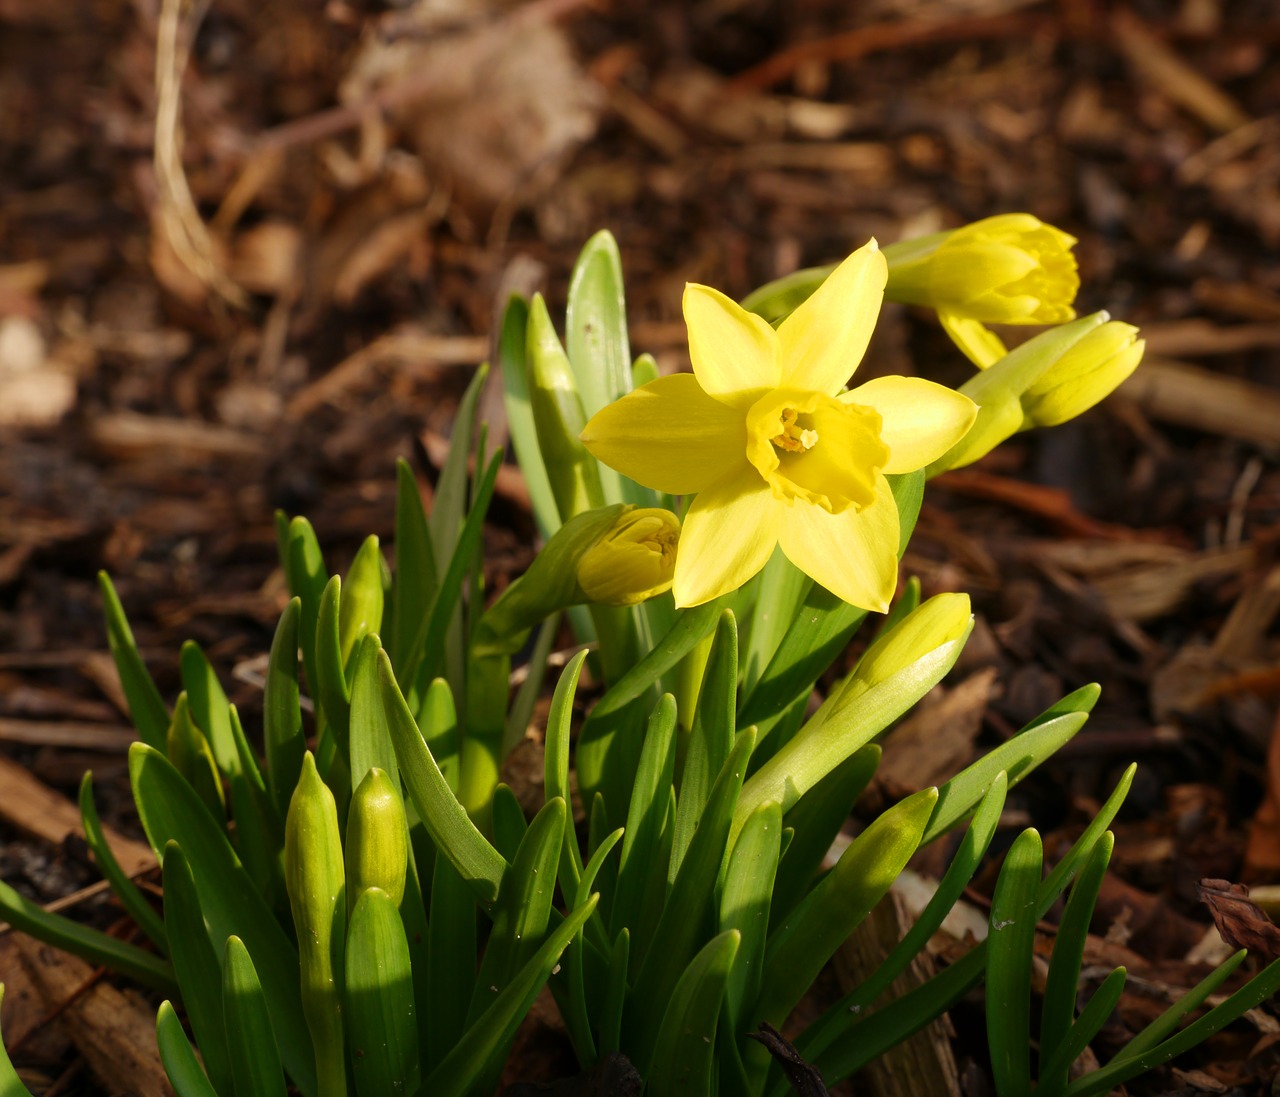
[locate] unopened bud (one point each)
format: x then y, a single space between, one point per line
1088 372
377 850
633 561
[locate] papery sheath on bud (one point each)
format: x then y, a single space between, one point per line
633 561
377 850
616 555
314 879
1088 372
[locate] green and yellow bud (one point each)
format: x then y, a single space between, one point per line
615 555
1007 269
377 850
362 598
315 881
1088 372
633 561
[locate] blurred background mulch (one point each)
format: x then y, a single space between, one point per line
250 254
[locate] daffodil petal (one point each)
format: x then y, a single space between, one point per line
734 352
854 554
921 419
822 342
728 535
982 346
670 436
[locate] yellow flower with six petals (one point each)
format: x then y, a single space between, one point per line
774 451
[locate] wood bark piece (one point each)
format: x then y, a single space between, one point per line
34 807
922 1065
115 1033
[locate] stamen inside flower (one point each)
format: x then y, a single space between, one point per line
794 436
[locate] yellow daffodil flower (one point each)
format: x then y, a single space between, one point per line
773 449
1007 269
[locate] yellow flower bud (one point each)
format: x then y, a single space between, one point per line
1089 371
632 561
1008 269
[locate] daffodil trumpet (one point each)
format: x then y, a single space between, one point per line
772 447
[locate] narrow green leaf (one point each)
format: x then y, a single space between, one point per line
189 751
307 575
259 833
450 503
512 355
370 735
281 714
438 719
129 894
509 823
822 1033
1059 1005
815 820
596 325
146 706
181 1065
1009 951
493 1032
809 936
615 995
675 941
646 816
249 1021
744 905
196 964
556 763
530 690
230 904
684 1055
712 737
451 946
523 909
89 944
782 590
332 692
1054 1069
381 1012
454 834
415 581
209 706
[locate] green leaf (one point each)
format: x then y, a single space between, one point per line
527 696
509 823
281 714
1009 951
88 944
781 592
259 830
1017 757
146 706
596 325
556 764
815 820
688 908
615 995
249 1021
450 503
712 737
183 1068
454 834
646 818
196 964
744 905
170 811
370 735
485 1039
684 1055
209 706
129 894
331 688
512 355
611 718
188 750
1059 1005
415 581
382 1027
452 950
304 568
810 935
1081 1034
438 719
